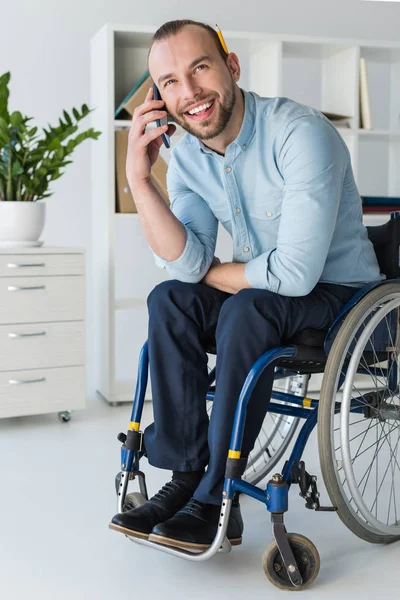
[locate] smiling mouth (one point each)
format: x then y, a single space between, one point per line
204 113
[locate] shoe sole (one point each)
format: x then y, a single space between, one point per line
131 532
159 539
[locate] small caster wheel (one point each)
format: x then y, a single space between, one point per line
307 559
133 500
64 416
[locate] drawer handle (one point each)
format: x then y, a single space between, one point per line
22 266
23 335
22 381
20 288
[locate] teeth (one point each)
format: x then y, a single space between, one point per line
199 108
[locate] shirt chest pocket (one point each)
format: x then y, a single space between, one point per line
267 208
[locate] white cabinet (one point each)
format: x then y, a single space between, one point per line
42 331
320 72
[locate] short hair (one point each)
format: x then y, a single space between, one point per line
173 27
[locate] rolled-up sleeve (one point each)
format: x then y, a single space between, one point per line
201 228
312 159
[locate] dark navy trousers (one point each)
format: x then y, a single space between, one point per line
184 319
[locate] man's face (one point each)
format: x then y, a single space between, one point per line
190 73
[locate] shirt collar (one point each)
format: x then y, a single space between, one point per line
247 129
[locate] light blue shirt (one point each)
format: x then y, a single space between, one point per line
284 191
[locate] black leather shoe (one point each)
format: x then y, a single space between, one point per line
194 527
139 521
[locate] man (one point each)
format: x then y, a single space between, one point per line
278 176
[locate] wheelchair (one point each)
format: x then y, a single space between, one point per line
358 416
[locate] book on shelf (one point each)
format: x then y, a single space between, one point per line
337 120
365 102
125 202
380 209
380 201
135 97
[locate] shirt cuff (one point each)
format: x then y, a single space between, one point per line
188 256
259 276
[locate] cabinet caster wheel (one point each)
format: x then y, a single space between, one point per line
64 416
307 559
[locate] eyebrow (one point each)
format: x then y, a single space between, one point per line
192 64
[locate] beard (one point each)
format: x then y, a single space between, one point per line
203 130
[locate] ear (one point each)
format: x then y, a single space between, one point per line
232 62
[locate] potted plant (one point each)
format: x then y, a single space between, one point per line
28 163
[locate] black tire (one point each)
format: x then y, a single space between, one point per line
64 416
133 500
328 394
307 559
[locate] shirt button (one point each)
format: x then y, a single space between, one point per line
246 249
244 146
269 213
238 210
228 169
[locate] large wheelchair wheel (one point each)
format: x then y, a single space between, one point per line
359 428
275 435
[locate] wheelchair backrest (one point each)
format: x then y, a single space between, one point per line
386 241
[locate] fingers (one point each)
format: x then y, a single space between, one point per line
148 117
152 134
148 104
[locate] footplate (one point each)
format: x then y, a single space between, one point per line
308 487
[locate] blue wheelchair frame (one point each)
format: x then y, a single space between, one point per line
275 497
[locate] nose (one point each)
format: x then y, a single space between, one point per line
190 90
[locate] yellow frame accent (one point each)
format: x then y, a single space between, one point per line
234 454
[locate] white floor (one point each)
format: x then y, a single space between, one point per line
57 497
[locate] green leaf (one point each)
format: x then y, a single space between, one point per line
4 94
16 168
16 119
67 117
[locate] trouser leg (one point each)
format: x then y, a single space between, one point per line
250 323
182 317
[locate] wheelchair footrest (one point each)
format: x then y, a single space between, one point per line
308 487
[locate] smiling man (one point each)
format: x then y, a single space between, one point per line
277 175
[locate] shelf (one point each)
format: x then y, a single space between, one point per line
393 133
129 303
322 73
180 132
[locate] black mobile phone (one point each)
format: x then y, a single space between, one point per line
165 137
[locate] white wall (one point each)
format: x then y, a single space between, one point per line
45 45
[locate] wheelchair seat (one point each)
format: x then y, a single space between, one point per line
309 347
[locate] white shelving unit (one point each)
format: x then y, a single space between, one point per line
320 72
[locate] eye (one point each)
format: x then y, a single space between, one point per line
169 81
200 67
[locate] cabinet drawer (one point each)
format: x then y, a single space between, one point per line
32 299
39 391
23 265
41 345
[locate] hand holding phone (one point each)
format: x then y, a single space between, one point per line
144 142
164 121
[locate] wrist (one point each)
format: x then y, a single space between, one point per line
140 185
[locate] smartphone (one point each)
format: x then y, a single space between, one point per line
165 137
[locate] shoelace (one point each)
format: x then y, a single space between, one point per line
166 490
194 506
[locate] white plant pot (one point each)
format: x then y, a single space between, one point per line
21 223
